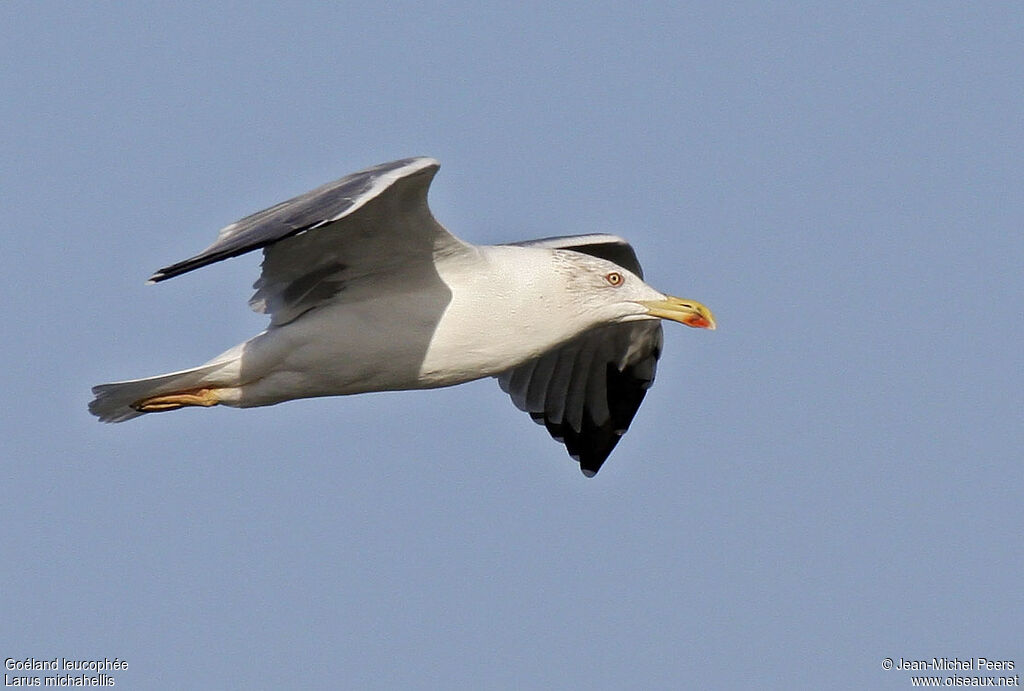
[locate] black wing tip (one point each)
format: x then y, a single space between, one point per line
590 463
182 267
592 460
176 270
590 447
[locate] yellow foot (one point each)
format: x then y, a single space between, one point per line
173 401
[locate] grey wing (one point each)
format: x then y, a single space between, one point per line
587 392
610 247
373 221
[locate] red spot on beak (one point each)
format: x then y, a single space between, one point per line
697 322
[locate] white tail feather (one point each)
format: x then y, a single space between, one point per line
113 402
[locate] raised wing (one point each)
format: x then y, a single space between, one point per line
587 392
315 244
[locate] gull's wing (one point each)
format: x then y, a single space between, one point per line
587 392
610 247
371 222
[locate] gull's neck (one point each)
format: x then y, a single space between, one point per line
508 305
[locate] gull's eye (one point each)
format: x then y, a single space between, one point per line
614 278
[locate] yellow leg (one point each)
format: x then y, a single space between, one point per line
173 401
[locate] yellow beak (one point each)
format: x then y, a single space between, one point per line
687 312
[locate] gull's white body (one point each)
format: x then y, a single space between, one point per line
489 326
367 292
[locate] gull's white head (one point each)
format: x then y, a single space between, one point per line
612 293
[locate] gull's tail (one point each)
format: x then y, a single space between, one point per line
117 402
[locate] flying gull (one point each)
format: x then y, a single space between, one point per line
366 291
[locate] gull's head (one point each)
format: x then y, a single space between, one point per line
617 295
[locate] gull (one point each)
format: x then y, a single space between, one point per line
366 291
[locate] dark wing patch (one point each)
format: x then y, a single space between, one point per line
317 285
302 293
315 208
587 392
594 442
609 247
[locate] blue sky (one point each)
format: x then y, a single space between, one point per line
831 478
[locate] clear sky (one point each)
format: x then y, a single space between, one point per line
831 478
